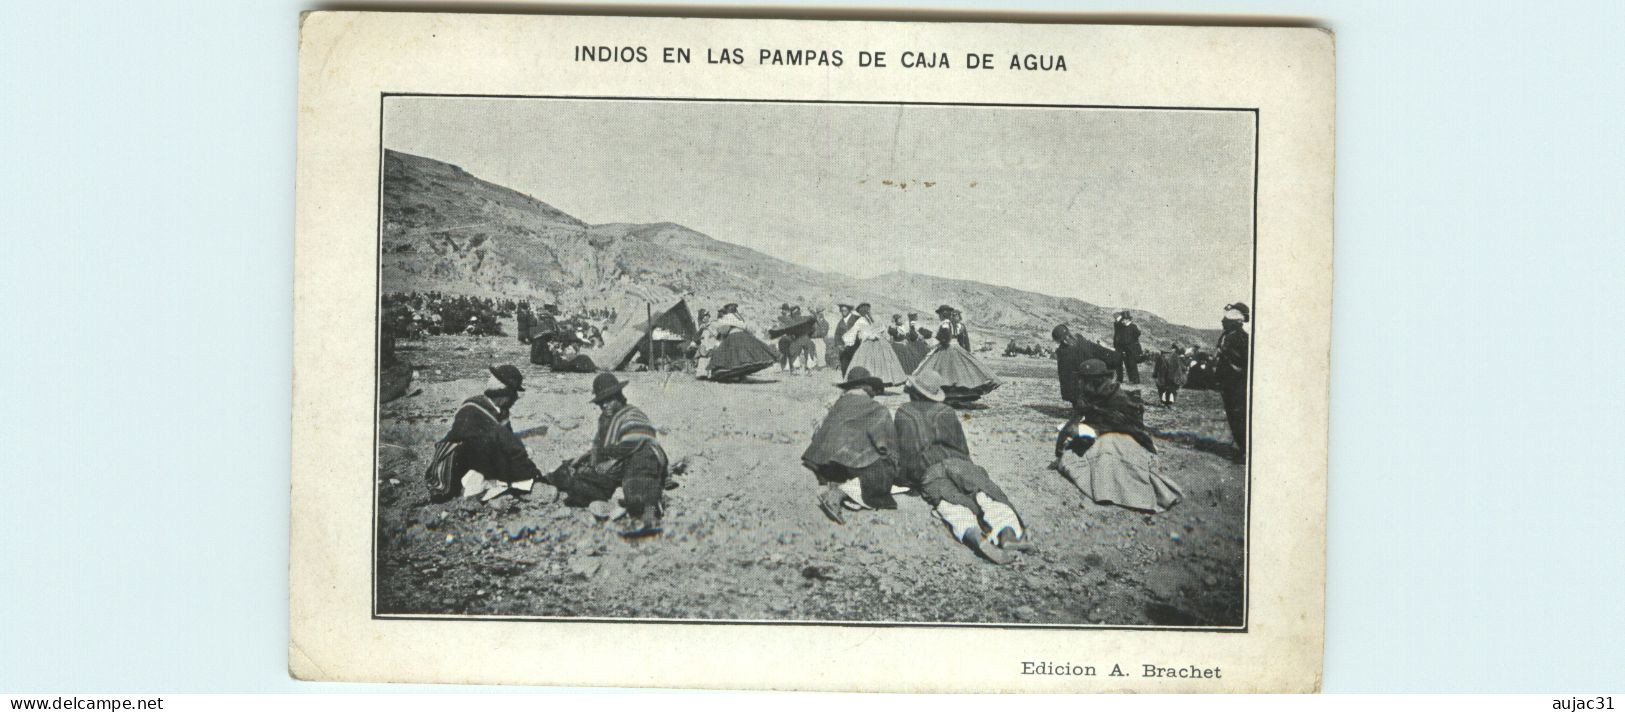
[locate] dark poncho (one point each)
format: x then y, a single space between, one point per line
1109 409
857 432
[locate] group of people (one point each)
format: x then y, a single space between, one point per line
414 315
556 342
481 456
1173 368
729 349
862 455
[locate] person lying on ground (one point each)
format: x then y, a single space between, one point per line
933 457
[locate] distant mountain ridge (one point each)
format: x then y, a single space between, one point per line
446 230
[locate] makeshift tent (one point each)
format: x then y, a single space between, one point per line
673 329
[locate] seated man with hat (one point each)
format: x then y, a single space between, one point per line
934 458
854 451
624 455
491 459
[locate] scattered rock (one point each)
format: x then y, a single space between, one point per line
585 566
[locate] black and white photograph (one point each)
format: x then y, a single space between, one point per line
814 362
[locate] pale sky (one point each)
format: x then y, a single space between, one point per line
1121 208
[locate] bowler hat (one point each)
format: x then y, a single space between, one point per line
859 376
927 383
510 376
1093 367
606 386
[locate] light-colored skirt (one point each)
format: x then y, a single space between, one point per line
964 378
1117 470
881 362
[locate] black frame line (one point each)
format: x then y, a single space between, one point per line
1252 350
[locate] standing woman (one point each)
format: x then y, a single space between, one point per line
738 354
964 378
1105 450
902 339
874 352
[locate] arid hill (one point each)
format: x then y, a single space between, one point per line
446 230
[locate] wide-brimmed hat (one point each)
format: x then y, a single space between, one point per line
864 306
1093 367
944 309
859 376
509 376
1246 314
926 382
848 306
606 386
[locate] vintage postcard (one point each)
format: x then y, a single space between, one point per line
792 354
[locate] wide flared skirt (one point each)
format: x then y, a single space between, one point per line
740 355
1118 470
881 362
964 378
910 353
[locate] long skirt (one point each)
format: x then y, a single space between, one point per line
881 362
965 378
910 353
1117 470
740 355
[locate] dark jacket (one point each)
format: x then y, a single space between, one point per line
1069 357
527 322
1110 409
489 444
845 324
950 332
1169 370
1126 338
857 433
1232 357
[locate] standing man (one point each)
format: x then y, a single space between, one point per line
1126 340
848 316
786 361
527 321
820 338
853 453
1231 361
856 332
542 333
1071 350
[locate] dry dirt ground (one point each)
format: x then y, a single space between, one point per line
744 539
